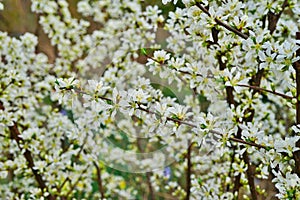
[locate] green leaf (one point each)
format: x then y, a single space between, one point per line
143 50
200 181
203 126
273 87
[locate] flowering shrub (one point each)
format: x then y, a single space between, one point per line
202 100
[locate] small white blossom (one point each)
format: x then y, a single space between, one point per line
288 145
161 56
167 1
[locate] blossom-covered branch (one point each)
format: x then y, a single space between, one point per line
16 135
178 121
221 23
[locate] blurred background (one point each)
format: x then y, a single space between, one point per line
17 18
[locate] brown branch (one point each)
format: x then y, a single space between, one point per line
62 185
255 82
266 90
230 101
5 87
81 147
251 175
188 171
241 141
296 66
273 18
237 180
99 180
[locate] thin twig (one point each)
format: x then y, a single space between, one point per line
241 141
5 87
266 90
63 183
76 182
211 131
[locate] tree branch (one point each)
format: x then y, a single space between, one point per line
15 134
211 131
255 82
273 18
151 191
188 171
296 66
241 141
251 175
99 180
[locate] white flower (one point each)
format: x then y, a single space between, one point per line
288 145
161 56
239 168
40 166
296 128
139 96
167 1
181 112
97 88
288 185
235 79
68 83
267 58
1 6
251 131
84 7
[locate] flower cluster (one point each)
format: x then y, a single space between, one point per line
217 100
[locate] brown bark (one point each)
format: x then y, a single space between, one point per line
296 66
